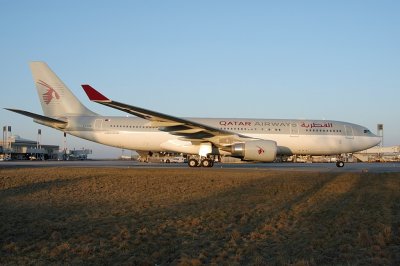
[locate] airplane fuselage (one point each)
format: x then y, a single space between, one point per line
311 137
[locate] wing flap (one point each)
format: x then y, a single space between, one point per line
164 124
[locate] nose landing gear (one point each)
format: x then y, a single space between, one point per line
339 163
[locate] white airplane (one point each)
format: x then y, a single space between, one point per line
200 138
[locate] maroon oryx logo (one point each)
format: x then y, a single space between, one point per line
50 94
260 150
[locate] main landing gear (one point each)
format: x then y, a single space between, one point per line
204 162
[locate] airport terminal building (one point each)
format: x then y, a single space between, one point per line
17 148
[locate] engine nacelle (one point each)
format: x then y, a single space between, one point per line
255 150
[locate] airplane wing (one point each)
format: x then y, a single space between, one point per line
41 119
188 130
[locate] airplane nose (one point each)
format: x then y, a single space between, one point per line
376 140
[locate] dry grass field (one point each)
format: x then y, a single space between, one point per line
198 216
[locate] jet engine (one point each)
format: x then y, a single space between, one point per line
255 150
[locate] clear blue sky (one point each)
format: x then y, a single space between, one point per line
334 60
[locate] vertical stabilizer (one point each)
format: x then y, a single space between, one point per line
56 99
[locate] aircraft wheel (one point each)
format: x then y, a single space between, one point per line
339 163
193 163
206 163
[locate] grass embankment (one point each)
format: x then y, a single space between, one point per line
198 216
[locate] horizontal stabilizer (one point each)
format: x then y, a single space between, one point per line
40 118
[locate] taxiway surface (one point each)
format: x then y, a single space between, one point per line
319 167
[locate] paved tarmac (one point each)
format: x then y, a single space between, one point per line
313 167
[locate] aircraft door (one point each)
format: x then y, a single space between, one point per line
294 129
98 124
349 132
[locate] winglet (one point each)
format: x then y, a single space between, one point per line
94 95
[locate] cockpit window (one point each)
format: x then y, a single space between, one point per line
366 131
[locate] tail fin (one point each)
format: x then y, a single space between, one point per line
56 99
